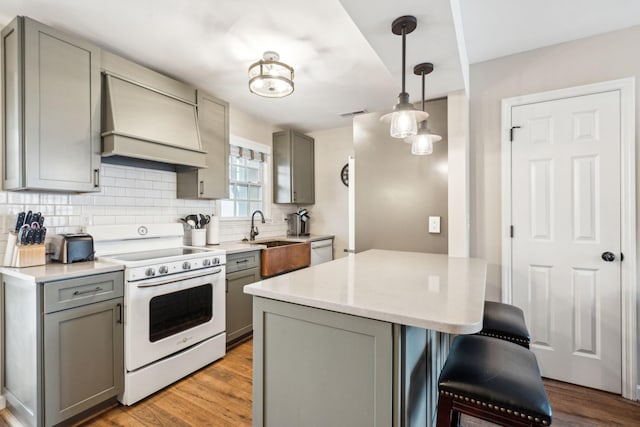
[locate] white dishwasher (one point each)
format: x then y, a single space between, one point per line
321 251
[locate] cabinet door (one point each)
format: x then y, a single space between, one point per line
83 358
302 166
61 110
334 369
213 181
239 304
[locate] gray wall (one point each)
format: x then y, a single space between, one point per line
605 57
396 191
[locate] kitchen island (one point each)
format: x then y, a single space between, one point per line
360 340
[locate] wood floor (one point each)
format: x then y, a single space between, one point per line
220 395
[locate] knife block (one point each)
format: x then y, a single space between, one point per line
23 255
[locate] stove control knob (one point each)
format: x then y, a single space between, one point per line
206 262
186 265
216 261
163 269
150 272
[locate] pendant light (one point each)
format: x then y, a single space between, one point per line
271 78
422 141
405 117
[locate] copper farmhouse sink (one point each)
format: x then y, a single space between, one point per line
282 256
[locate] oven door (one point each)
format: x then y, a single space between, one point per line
166 315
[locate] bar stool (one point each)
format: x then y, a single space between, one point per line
506 322
493 380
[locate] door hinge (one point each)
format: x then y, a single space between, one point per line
511 132
511 231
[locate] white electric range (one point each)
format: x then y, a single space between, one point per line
174 299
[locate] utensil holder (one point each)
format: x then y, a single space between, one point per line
23 255
198 237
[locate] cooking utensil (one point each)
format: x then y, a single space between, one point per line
194 218
204 220
36 218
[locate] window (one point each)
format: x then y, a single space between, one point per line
248 180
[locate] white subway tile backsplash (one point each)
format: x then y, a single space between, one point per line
128 195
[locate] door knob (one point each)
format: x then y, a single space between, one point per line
608 256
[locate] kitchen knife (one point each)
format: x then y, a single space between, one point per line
19 221
27 219
22 234
43 234
41 220
36 218
31 234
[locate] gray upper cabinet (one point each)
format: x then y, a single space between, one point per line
293 168
51 120
211 182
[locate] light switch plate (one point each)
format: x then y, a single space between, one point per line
434 224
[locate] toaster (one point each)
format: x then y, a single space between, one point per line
73 247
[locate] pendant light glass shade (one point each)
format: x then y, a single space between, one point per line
422 142
405 117
271 78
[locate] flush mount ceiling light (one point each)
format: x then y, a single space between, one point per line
405 117
271 78
422 141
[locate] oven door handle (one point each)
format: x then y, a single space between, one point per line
178 279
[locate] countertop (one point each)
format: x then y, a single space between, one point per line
57 271
240 246
430 291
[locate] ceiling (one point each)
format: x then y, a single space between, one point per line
344 54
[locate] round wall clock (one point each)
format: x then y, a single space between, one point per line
344 174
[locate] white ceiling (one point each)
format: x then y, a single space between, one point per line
345 56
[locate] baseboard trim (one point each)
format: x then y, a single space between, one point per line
638 392
3 401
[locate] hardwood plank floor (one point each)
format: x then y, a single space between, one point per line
220 395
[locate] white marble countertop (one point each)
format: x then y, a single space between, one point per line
240 246
58 271
430 291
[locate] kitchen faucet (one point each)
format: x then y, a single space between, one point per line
254 230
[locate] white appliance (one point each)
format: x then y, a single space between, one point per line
174 298
321 251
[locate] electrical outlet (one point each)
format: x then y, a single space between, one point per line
434 224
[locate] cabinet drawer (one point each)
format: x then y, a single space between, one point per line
243 261
65 294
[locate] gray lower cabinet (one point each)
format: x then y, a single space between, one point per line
320 368
51 109
293 168
63 346
211 182
242 269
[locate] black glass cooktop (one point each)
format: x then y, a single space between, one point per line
155 254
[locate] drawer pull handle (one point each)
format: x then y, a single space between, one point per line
97 289
119 312
241 261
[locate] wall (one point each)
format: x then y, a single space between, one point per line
605 57
329 215
396 191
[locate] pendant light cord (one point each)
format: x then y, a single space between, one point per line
404 55
423 90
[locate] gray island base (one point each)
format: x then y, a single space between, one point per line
360 341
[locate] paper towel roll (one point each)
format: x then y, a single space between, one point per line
213 231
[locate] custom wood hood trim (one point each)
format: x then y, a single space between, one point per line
144 123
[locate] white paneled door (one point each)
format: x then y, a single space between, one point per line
566 236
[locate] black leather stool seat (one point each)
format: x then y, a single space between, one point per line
506 322
494 380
